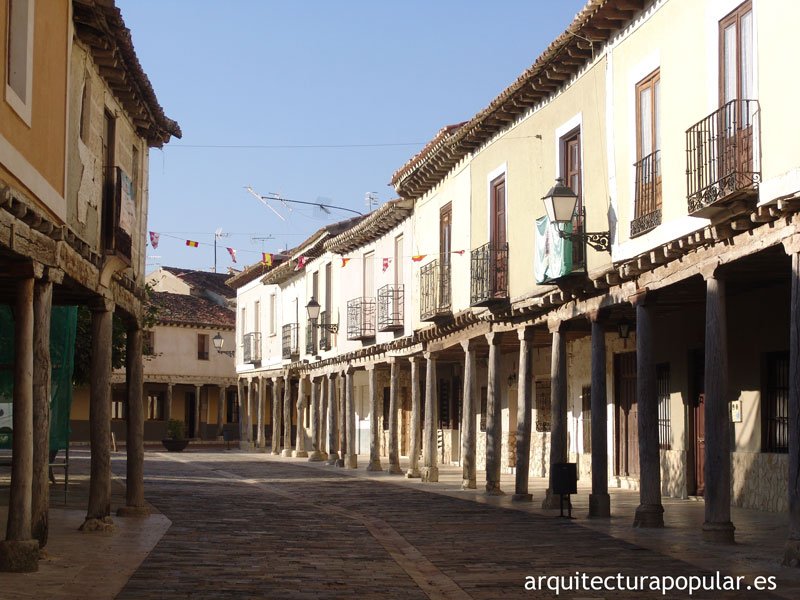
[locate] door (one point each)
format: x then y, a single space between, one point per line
696 432
498 256
190 414
627 416
700 444
405 434
572 173
445 248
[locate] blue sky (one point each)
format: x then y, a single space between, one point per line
376 79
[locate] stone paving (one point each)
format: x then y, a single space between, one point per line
257 526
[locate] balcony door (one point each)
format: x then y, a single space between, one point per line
445 253
571 172
109 181
648 146
498 237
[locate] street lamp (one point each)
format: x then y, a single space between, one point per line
559 204
219 342
313 308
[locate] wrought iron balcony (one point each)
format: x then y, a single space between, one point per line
647 199
722 157
311 337
324 333
489 274
391 299
251 347
434 286
289 338
361 318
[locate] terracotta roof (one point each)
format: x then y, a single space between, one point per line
252 272
374 225
99 25
204 280
181 309
555 67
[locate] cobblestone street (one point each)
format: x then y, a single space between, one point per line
249 525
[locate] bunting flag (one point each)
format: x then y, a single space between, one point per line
459 252
192 243
266 259
418 257
232 252
154 239
301 262
345 261
386 262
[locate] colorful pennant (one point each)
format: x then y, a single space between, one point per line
192 243
154 237
386 262
266 259
418 257
345 261
232 252
301 262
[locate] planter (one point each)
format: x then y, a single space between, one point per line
173 445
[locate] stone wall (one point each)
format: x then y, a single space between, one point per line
760 480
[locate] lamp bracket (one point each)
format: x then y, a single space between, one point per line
600 240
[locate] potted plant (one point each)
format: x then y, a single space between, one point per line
175 442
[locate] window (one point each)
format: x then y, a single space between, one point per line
202 346
369 275
543 405
647 200
257 316
148 343
398 260
736 55
444 404
155 406
19 50
243 324
109 180
664 420
484 405
571 173
273 314
775 403
586 417
386 408
86 108
117 409
232 406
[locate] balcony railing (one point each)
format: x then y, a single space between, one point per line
290 343
434 286
647 200
324 334
251 347
390 307
361 318
722 157
311 337
489 274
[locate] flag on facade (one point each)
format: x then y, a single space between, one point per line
301 262
459 252
266 259
192 243
418 257
154 239
345 261
232 252
386 262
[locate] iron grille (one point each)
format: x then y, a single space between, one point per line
361 318
434 280
390 307
311 337
722 155
290 343
489 274
251 351
324 334
775 408
647 200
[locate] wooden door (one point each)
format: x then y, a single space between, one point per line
445 248
498 237
189 414
571 168
700 444
627 416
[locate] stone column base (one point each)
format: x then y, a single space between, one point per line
133 511
522 498
375 465
19 556
352 461
286 452
493 489
719 533
300 454
599 505
430 474
469 484
394 469
323 455
551 500
413 473
92 524
332 460
649 515
315 456
275 453
791 553
244 445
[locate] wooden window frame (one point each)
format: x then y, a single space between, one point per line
203 351
732 18
774 405
567 169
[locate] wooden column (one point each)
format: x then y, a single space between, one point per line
333 430
430 468
240 400
260 412
300 444
342 419
97 515
558 407
717 526
650 512
276 414
351 462
599 500
168 404
252 400
394 417
287 414
322 394
524 414
791 554
134 443
494 418
316 401
197 407
468 415
18 552
375 405
42 366
221 411
413 454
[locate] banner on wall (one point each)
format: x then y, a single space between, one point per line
553 253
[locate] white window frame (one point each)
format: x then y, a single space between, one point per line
21 106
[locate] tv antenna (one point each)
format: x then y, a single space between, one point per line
217 235
265 200
371 199
257 239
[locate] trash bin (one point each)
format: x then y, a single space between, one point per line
565 479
